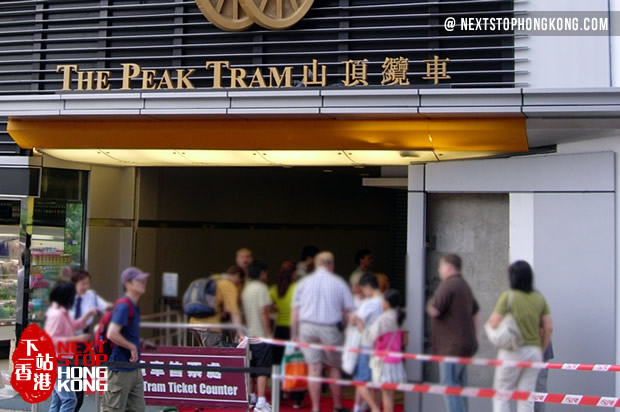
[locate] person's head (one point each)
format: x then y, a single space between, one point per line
392 299
81 280
243 259
325 260
258 271
134 281
286 276
63 293
364 259
368 285
449 265
308 253
235 274
521 276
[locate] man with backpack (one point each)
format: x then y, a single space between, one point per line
210 300
125 385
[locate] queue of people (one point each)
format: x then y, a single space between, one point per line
316 308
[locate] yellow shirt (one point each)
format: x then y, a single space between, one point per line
226 301
283 304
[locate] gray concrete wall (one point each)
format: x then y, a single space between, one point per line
475 226
575 267
110 235
563 216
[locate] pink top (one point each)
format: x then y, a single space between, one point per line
391 342
59 325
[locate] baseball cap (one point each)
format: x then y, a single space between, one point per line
130 274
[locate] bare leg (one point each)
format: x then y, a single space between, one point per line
252 385
388 400
261 383
334 373
358 397
369 398
314 370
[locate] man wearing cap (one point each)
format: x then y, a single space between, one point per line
125 385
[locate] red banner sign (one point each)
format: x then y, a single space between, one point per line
196 389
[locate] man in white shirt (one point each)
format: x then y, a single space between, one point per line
320 309
86 298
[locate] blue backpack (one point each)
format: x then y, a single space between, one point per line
199 298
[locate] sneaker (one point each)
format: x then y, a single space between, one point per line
253 400
263 408
298 405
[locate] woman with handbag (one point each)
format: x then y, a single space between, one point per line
521 328
387 335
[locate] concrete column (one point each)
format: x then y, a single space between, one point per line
614 42
111 215
416 256
522 227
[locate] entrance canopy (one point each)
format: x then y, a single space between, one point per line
152 141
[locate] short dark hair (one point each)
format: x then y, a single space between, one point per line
63 294
309 251
256 268
79 275
521 276
235 270
369 279
453 260
361 254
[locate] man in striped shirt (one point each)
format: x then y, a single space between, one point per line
320 309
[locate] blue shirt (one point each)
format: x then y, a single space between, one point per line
130 331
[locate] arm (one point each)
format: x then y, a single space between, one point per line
356 321
101 304
501 308
294 325
440 302
114 334
230 300
495 320
432 311
236 319
547 330
265 310
82 321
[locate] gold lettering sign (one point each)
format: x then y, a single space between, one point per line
356 74
239 15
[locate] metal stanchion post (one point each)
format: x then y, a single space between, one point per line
34 407
275 388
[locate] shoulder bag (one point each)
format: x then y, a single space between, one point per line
508 334
376 362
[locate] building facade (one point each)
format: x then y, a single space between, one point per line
195 121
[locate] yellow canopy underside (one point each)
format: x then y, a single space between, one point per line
488 135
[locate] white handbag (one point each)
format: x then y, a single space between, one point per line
508 334
352 340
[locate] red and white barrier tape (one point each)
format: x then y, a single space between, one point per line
450 359
468 392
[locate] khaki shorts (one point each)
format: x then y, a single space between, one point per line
125 392
326 335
